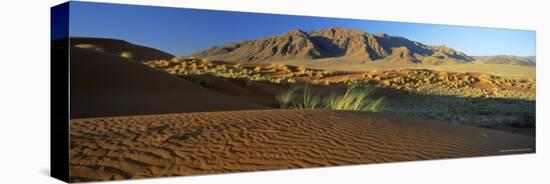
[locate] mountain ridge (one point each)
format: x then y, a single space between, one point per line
334 42
507 59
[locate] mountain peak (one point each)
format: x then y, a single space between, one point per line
295 31
339 31
381 35
336 28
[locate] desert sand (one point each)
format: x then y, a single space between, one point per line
251 140
136 112
104 84
118 47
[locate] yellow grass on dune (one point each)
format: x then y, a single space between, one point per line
251 140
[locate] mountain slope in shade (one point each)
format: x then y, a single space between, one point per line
334 42
507 59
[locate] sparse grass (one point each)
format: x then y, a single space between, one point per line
189 66
448 96
287 98
309 100
422 81
343 64
89 46
354 98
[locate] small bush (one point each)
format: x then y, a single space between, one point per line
525 121
206 82
127 55
248 82
177 60
291 80
257 69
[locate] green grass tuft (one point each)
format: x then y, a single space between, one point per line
355 98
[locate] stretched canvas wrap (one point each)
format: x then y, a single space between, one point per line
144 91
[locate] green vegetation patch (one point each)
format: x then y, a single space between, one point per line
354 98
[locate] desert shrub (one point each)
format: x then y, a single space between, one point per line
257 69
127 55
158 63
276 80
193 66
222 68
310 73
291 80
238 65
284 68
206 82
248 82
319 74
177 60
273 65
525 121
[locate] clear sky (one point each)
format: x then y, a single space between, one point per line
182 31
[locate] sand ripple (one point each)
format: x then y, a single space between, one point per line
221 142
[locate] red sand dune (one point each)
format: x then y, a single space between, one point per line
252 140
116 47
104 84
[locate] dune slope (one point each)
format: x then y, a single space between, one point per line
219 142
117 47
103 84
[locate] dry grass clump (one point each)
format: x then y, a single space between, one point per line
354 98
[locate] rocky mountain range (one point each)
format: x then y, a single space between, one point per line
334 42
507 59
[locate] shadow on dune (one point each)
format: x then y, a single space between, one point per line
105 84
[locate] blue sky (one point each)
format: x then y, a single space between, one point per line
182 31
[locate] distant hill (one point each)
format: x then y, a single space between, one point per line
119 48
334 42
507 59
